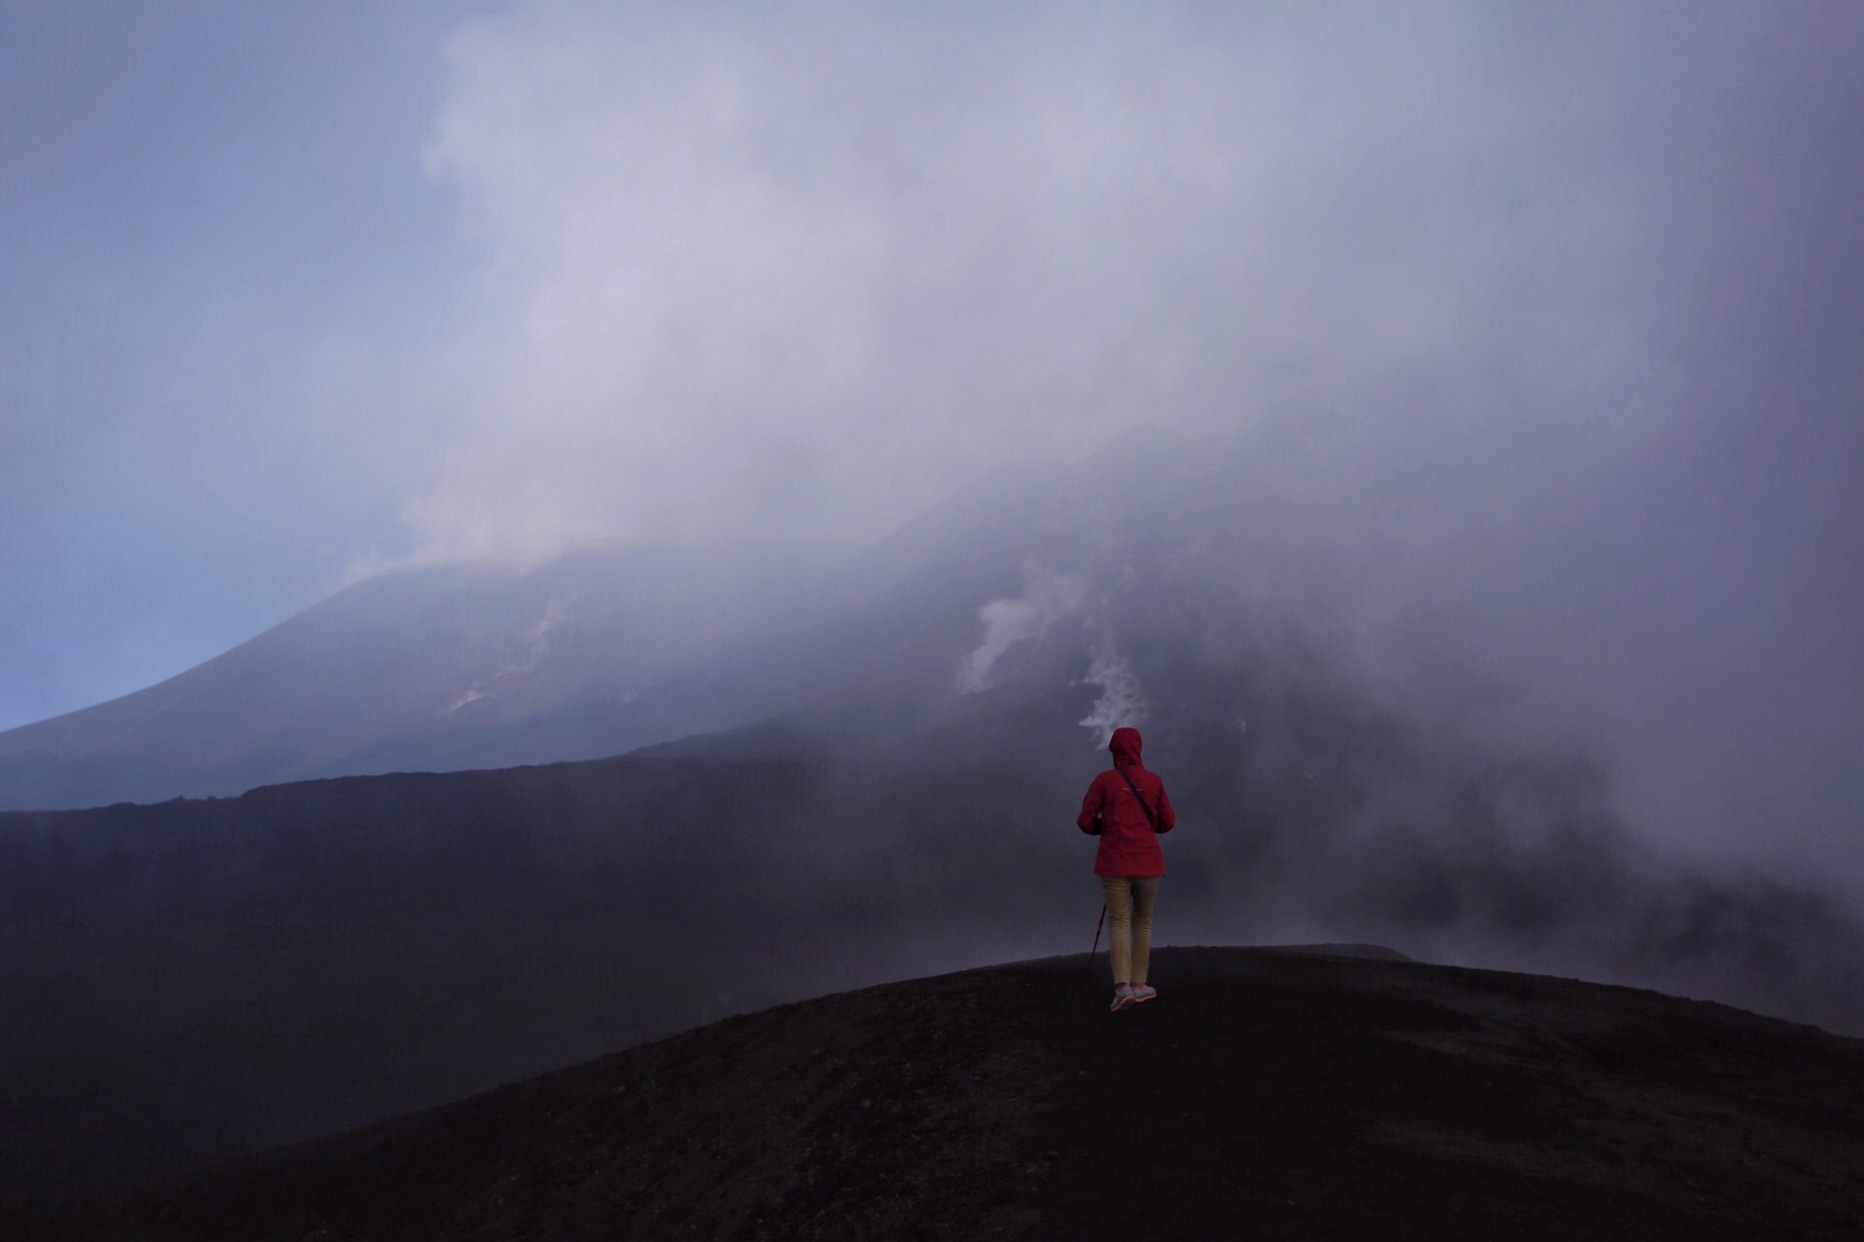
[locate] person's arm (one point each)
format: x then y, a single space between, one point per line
1088 820
1168 818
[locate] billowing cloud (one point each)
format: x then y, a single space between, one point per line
1122 700
811 267
1048 597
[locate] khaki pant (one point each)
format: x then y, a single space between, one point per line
1129 924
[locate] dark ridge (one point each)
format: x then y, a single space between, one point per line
1371 952
1265 1094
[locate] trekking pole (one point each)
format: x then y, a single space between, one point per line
1096 949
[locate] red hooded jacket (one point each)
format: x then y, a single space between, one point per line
1128 844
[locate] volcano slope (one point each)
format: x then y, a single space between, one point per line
1266 1094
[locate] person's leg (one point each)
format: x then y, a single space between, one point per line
1119 925
1145 895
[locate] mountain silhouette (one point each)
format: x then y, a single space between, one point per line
1312 1093
454 667
440 667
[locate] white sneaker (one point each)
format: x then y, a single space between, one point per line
1122 997
1142 992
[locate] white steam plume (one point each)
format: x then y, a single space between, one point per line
1047 597
1121 700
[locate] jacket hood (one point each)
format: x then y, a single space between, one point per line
1125 745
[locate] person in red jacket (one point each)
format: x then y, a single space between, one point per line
1127 807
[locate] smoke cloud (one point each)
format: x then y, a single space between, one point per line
1121 702
1047 598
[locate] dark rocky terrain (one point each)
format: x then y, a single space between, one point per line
1266 1094
195 981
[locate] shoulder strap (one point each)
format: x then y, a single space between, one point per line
1150 817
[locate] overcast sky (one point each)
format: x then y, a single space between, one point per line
291 291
